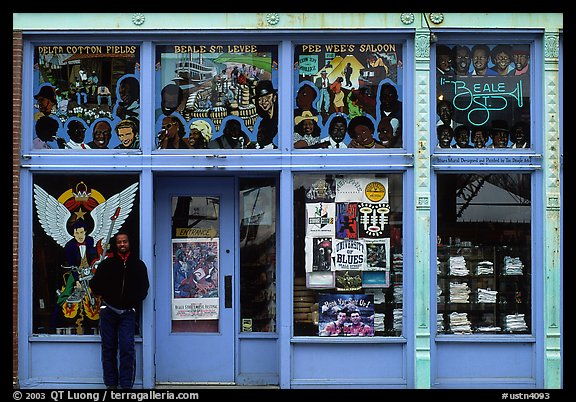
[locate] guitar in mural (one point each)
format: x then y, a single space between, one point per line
68 220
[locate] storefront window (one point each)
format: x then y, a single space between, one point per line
86 97
216 96
74 219
483 254
483 96
348 262
348 96
258 255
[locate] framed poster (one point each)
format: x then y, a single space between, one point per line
195 268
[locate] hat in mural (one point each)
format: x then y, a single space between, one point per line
500 125
306 115
204 128
264 87
46 92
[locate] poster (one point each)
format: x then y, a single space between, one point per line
195 279
345 314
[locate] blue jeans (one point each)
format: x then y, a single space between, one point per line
117 333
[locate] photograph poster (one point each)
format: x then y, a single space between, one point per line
195 279
358 310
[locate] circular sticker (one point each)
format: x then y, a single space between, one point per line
375 191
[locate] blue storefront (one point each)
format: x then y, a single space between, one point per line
382 190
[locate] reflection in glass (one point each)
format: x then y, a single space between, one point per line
258 255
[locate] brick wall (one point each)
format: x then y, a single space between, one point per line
16 125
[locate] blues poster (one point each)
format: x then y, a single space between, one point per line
195 269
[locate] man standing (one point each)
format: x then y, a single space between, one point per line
322 83
122 283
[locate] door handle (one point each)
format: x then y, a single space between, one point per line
228 291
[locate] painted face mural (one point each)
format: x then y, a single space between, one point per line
91 84
217 84
488 84
346 82
75 220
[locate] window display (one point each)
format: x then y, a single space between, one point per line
483 96
87 97
483 254
74 219
348 96
217 96
348 255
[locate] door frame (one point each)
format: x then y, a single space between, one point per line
167 187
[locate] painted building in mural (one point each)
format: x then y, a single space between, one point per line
293 189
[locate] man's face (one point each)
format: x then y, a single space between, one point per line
480 59
387 98
444 62
500 139
122 244
102 134
305 97
266 102
341 317
45 105
520 60
169 127
461 137
502 60
80 235
77 133
126 136
444 137
478 139
232 129
445 112
338 131
355 318
462 60
363 134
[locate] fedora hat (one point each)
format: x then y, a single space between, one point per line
264 87
306 115
500 125
46 92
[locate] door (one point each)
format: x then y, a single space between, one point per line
195 226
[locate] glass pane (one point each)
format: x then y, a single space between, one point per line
348 261
86 97
483 96
484 257
72 226
217 96
196 258
348 96
258 255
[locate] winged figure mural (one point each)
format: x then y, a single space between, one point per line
82 222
